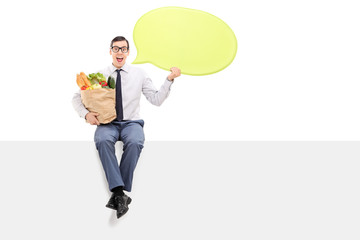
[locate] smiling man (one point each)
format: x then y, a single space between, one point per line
128 126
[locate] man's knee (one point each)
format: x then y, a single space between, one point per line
103 139
134 143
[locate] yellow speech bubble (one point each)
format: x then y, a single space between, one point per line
195 41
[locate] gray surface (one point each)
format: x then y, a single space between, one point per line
184 190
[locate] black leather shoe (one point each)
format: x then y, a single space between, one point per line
122 203
112 204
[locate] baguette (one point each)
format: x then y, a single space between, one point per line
80 82
85 79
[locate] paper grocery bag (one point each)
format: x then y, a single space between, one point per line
102 101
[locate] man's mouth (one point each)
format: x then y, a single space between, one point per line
119 59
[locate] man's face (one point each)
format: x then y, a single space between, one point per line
119 57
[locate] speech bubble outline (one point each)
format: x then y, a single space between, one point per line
197 42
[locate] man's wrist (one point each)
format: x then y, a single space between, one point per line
84 113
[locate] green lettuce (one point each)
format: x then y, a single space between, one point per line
96 78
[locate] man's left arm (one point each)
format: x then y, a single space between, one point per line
157 97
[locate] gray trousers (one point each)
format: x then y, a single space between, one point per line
132 135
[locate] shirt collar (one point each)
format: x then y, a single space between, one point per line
125 68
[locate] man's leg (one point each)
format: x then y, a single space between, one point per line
132 135
105 138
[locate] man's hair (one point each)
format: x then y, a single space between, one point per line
119 38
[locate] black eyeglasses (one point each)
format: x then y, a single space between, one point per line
116 49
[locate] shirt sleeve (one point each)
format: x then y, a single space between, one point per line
78 105
154 96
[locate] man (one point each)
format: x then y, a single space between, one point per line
128 126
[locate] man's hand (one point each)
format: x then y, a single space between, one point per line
91 118
175 72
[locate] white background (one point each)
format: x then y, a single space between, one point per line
295 76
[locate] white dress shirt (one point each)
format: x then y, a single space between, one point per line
134 81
